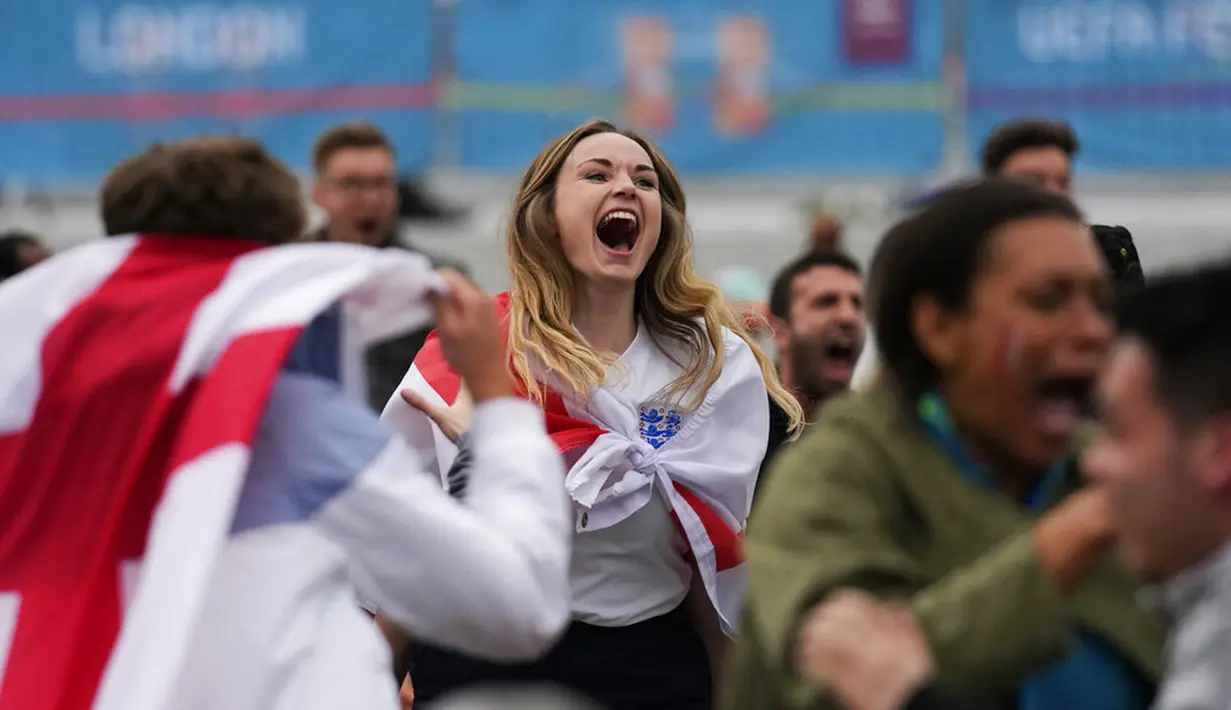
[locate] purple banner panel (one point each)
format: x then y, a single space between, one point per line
876 31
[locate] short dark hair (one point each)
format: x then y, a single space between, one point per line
780 291
11 243
940 251
209 186
1183 319
347 135
1008 138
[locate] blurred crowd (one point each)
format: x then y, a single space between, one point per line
944 477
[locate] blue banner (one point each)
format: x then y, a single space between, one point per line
86 84
726 86
1146 84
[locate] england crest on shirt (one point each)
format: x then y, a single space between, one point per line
658 424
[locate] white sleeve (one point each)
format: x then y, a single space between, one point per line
487 576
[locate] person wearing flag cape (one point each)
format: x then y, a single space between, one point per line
658 402
193 494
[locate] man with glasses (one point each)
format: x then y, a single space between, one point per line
356 187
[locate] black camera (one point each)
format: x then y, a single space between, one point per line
1116 244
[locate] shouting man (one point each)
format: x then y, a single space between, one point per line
356 187
819 326
819 329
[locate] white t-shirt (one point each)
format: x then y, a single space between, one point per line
636 569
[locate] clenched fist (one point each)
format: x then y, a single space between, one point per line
871 655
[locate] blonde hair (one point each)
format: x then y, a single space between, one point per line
670 296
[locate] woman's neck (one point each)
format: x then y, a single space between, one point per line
1013 477
605 317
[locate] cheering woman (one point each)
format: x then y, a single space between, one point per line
953 486
658 401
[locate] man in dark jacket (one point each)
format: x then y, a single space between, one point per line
356 186
819 328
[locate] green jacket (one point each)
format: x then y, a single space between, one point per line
866 500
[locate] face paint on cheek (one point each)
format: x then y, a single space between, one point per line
1007 353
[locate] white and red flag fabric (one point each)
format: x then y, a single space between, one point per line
133 375
707 470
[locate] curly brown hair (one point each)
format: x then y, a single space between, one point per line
209 186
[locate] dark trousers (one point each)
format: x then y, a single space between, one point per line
658 664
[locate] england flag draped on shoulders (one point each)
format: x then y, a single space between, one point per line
706 469
133 378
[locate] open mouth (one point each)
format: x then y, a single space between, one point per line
618 231
1061 403
838 361
368 227
841 352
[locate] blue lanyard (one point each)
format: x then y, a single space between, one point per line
934 414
